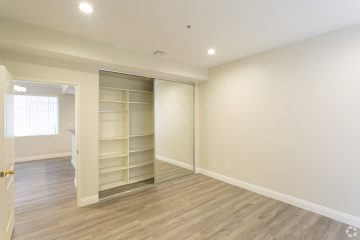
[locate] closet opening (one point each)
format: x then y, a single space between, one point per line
44 119
146 132
126 133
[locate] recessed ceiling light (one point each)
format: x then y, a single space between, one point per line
211 51
86 8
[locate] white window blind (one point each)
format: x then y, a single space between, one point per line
35 115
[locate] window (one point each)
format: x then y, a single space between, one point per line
35 115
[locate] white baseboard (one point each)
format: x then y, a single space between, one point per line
88 200
312 207
175 162
42 157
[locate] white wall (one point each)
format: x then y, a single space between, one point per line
174 121
289 120
35 147
87 125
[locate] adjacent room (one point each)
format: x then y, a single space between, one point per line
186 120
44 139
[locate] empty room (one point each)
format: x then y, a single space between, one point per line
186 120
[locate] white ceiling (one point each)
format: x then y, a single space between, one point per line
236 28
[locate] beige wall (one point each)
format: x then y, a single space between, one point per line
174 121
88 91
32 146
289 120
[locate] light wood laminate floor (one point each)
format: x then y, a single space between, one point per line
192 207
165 171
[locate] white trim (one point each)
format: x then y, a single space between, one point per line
89 200
312 207
175 162
196 126
42 157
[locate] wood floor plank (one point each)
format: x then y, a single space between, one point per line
165 171
194 207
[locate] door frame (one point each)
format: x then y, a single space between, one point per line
77 128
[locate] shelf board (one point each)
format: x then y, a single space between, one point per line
141 135
110 120
112 155
114 89
112 101
141 163
146 103
113 111
141 149
114 184
141 178
112 169
140 91
125 90
113 139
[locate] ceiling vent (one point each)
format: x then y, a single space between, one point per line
159 53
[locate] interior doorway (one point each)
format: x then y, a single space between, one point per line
45 147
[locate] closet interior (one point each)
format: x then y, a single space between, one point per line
126 130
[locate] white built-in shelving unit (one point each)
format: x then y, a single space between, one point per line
126 138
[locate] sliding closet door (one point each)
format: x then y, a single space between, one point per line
174 130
